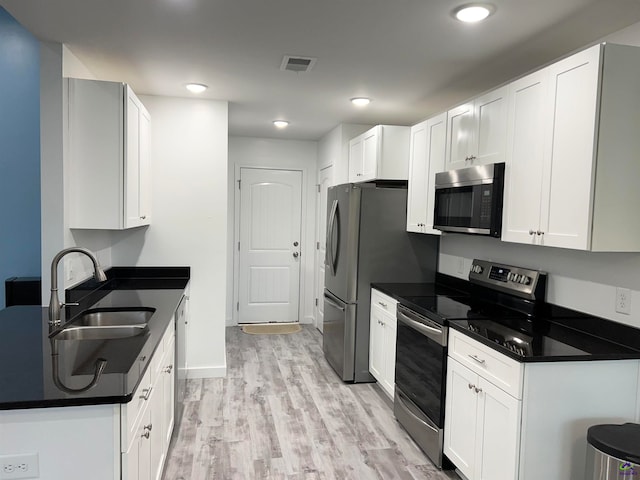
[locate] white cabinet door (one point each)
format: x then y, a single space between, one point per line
355 159
370 154
137 164
460 126
156 431
426 158
460 421
436 141
418 171
490 129
499 433
477 131
525 157
566 209
376 343
389 373
168 394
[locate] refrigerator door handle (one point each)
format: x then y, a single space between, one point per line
330 259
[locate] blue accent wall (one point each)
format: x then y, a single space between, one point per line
19 152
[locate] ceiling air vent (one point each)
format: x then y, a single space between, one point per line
297 64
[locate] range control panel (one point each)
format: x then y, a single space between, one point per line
523 282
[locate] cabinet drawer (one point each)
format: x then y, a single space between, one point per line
131 413
502 371
385 302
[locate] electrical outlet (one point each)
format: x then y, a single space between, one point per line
19 466
623 300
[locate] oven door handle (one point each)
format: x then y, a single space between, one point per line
422 418
435 334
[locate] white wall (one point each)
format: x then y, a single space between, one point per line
282 154
582 281
189 217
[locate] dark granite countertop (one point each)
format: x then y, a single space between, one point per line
558 333
26 366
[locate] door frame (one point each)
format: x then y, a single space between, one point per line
321 211
236 238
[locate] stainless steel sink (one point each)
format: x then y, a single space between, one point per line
105 332
108 317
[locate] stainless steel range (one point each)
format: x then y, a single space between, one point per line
495 291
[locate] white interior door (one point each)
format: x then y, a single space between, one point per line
325 178
270 218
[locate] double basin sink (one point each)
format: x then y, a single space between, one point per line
106 324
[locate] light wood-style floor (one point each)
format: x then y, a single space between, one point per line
282 413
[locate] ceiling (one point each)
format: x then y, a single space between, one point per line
410 56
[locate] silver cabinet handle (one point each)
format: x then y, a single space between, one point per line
146 435
148 427
478 390
472 157
295 254
168 369
143 217
384 305
532 232
146 393
471 385
479 360
539 232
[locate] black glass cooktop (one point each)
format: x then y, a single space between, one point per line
525 334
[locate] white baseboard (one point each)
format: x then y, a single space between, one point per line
308 320
230 322
207 372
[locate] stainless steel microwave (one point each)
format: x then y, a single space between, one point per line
469 200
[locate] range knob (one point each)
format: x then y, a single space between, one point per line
476 269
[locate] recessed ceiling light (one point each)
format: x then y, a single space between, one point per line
361 101
473 12
196 87
280 123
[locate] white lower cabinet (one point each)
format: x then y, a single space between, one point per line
482 437
506 420
148 418
382 340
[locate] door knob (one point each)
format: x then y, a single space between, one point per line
295 254
295 244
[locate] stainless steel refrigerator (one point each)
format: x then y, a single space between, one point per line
366 242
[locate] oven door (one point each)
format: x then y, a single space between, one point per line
421 356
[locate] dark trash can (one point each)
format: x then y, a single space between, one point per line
23 291
613 452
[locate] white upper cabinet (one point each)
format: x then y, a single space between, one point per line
381 153
571 173
109 156
477 131
426 158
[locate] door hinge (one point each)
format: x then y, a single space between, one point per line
238 246
316 302
239 184
318 186
238 306
317 245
